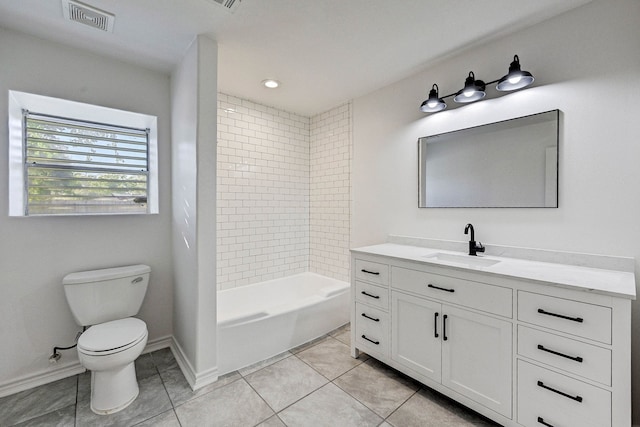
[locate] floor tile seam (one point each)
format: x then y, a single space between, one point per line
262 398
324 376
40 415
265 366
274 415
348 370
321 374
75 413
198 397
156 415
32 390
401 405
365 405
301 398
296 350
164 386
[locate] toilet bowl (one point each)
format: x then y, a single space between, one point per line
109 351
105 300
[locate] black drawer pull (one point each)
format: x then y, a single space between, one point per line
576 358
541 421
435 325
369 295
370 340
574 319
576 398
444 327
440 289
375 273
370 318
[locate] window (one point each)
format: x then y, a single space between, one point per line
69 158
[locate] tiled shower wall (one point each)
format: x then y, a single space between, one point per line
330 193
283 193
262 193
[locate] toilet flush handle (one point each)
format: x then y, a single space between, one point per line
136 280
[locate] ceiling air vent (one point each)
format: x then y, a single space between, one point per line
88 15
230 5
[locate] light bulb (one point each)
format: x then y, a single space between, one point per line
515 79
270 83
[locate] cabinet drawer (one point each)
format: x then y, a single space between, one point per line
573 317
372 329
373 295
576 357
559 401
489 298
373 272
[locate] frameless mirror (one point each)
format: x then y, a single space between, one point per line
507 164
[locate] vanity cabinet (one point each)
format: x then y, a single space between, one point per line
520 351
465 351
571 342
371 313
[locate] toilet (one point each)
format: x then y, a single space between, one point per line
105 300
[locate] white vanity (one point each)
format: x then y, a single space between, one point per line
525 343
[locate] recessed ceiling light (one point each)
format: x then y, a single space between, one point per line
270 83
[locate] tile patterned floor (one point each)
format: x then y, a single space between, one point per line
317 384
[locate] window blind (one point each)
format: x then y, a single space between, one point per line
79 167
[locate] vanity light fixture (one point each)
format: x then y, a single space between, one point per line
434 103
270 83
516 78
474 90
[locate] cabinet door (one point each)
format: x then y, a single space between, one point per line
416 325
476 358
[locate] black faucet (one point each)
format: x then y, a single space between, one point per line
473 246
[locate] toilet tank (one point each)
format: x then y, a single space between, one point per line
98 296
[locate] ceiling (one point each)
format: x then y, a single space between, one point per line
324 52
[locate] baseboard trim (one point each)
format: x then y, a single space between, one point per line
61 371
41 377
158 344
195 379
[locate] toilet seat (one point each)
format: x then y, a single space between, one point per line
112 337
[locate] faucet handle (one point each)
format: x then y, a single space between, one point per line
479 247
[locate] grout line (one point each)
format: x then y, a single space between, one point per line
75 412
260 396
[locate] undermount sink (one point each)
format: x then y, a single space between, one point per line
462 260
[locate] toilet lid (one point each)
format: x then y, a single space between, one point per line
112 335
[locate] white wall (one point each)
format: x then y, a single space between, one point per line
37 252
194 104
586 64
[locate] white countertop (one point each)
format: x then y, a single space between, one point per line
596 280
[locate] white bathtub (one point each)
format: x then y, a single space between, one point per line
258 321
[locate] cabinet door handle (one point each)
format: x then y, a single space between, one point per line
561 393
435 325
573 319
541 421
440 289
370 340
369 295
444 327
370 318
557 353
375 273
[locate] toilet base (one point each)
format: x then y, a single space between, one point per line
113 390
